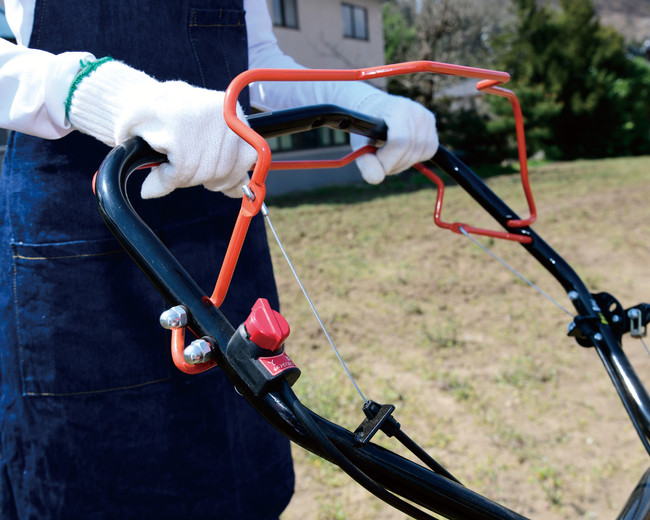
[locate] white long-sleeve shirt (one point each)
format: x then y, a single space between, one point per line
34 84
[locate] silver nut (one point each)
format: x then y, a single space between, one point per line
174 318
197 352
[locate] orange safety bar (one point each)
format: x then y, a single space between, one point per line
315 164
491 82
458 227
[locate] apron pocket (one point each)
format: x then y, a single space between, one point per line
87 319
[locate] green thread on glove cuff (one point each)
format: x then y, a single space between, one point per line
86 69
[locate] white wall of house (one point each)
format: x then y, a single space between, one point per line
318 42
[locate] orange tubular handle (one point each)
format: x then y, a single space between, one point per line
324 163
178 346
491 81
492 88
456 227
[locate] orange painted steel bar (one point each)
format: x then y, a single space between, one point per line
491 81
457 226
322 163
492 88
178 346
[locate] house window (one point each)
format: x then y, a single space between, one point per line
285 13
355 21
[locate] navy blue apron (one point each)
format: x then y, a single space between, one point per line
95 421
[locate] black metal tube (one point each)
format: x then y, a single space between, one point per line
628 385
638 505
149 253
302 119
401 476
327 446
391 471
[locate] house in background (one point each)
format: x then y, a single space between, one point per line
323 34
330 34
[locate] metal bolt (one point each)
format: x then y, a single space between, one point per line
634 314
573 295
248 192
616 318
174 318
598 336
197 352
637 327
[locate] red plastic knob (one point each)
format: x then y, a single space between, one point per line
267 328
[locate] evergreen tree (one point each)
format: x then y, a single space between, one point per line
577 86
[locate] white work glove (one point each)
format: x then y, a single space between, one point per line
115 102
412 136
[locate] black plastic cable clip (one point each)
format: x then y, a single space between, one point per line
378 417
582 327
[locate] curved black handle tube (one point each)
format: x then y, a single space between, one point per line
148 252
398 475
327 446
292 120
628 385
393 472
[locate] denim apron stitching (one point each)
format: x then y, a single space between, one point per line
47 370
36 258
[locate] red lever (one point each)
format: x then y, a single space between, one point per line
267 328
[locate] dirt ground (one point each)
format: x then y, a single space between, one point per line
477 363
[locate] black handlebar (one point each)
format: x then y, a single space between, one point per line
293 120
383 472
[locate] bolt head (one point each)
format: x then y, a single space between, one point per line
197 352
174 318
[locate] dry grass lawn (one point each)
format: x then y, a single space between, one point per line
477 363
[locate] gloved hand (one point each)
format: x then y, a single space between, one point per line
412 135
114 102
